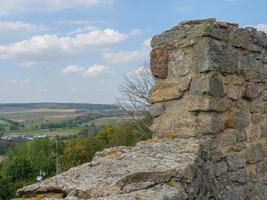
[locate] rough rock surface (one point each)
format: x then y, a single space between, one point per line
125 172
209 106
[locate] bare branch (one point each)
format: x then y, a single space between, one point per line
135 91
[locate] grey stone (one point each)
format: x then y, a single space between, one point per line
255 153
234 93
220 168
236 161
241 38
121 170
241 136
239 176
208 123
260 38
262 167
198 21
207 85
247 63
238 147
227 138
167 36
228 60
173 193
207 30
157 109
205 56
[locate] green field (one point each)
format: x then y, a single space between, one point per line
55 121
3 122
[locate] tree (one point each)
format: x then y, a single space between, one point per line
78 151
18 169
134 92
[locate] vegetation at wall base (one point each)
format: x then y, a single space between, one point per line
26 160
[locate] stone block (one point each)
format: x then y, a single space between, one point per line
178 63
227 137
207 85
208 123
239 121
261 167
207 104
169 91
240 38
234 93
251 92
241 136
220 168
207 30
239 176
255 154
157 109
248 62
236 161
238 147
206 56
166 37
198 21
159 63
228 60
260 38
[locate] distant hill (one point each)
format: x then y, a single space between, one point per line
88 106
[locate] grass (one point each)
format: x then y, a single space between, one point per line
3 122
48 132
105 120
33 118
39 114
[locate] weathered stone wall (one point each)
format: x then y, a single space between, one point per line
210 125
211 81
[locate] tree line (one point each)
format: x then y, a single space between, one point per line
26 160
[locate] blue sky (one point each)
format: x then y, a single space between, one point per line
80 50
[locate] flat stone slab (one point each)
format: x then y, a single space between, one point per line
123 172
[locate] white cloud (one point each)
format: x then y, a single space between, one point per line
135 32
83 29
28 64
8 27
7 6
15 83
71 22
261 27
71 69
96 70
53 46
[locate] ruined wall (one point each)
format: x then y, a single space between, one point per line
210 125
211 81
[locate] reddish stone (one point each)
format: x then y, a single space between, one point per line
230 123
251 92
73 175
159 63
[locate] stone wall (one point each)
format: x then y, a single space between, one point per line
210 125
211 81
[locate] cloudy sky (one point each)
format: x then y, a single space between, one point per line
80 50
